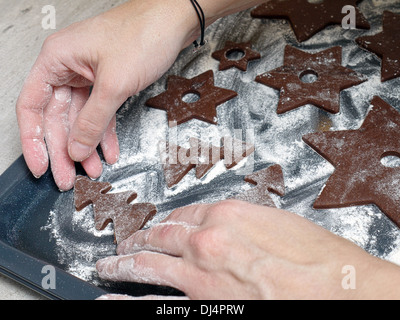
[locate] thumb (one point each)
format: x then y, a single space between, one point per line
93 120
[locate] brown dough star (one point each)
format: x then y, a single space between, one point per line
360 178
386 45
330 78
307 18
203 109
242 63
267 181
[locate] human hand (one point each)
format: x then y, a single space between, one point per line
119 53
235 250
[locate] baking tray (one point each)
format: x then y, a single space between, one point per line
26 248
39 225
23 250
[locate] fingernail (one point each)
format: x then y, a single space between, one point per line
107 268
121 248
100 266
79 152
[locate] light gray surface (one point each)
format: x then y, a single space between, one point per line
21 37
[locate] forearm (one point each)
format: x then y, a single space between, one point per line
215 9
182 13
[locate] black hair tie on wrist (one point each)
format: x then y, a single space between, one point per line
202 19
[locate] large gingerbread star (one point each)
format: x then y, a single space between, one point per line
330 78
386 45
360 178
204 109
307 18
242 63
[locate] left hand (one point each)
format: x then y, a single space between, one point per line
118 53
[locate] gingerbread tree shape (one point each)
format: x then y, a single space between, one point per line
175 169
112 207
269 180
202 156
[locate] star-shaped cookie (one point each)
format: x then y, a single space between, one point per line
386 45
204 109
311 78
307 18
360 178
226 62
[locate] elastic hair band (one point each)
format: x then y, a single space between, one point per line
202 19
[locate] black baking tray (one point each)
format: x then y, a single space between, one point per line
24 251
25 247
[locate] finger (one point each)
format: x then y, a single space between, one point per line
119 297
109 143
34 97
168 238
92 165
56 127
95 117
79 81
146 267
79 96
192 215
170 235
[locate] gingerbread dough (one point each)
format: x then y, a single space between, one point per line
178 161
386 45
242 63
112 207
360 178
269 180
307 18
330 78
203 109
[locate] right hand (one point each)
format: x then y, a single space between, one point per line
235 250
119 53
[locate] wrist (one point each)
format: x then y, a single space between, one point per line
175 19
213 10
